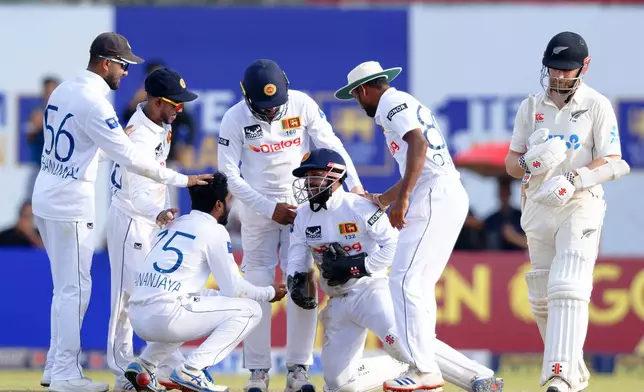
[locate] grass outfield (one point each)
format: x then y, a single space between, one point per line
523 382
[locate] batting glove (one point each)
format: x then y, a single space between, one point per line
557 191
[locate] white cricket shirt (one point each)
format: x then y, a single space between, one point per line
78 121
587 124
269 152
136 196
398 113
183 257
353 222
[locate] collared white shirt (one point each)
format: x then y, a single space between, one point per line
269 152
78 121
183 257
587 124
398 113
136 196
353 222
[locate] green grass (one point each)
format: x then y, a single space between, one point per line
514 382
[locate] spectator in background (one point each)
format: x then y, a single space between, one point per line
35 134
502 229
471 237
183 127
24 232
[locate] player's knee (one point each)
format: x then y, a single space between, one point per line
571 276
537 282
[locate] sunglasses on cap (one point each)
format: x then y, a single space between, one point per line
177 106
124 65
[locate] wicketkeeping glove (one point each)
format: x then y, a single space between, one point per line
302 290
338 267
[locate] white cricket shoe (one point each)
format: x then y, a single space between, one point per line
45 380
297 380
258 381
413 380
121 384
84 384
142 376
195 380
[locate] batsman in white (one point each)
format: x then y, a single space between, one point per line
269 132
429 206
353 244
563 164
138 206
170 305
79 125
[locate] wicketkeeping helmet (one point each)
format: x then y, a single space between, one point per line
317 188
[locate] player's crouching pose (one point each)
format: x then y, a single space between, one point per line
563 166
353 243
166 307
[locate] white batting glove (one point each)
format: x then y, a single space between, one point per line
538 137
544 156
556 192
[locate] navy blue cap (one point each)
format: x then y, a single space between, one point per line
166 83
265 84
318 160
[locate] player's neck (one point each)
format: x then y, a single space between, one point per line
149 115
559 100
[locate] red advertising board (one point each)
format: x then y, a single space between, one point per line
482 304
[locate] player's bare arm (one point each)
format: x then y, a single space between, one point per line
417 149
512 166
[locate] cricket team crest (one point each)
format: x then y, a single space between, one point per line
291 123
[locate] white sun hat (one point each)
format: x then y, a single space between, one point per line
363 73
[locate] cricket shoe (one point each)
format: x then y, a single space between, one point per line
412 380
258 381
163 375
487 384
297 380
45 380
141 375
194 380
559 385
121 384
84 384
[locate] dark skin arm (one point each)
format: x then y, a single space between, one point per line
398 195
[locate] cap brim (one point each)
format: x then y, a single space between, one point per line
131 58
186 96
300 172
564 65
270 103
345 92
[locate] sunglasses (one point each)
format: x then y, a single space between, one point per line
124 65
177 106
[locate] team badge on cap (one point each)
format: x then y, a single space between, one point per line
182 83
306 156
270 89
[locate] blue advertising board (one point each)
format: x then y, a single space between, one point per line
211 47
631 132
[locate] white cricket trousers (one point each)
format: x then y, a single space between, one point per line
166 326
436 214
563 244
128 243
261 239
70 247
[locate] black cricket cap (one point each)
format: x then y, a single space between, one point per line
114 45
167 83
565 51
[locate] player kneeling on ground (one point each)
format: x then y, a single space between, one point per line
353 243
170 305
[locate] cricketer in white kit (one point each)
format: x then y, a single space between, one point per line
139 206
429 206
269 132
170 304
79 124
565 144
353 244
